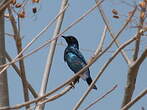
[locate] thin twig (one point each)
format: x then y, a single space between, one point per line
121 30
100 98
93 59
101 72
38 35
4 6
32 41
133 70
100 46
52 98
23 4
18 72
47 42
58 95
87 92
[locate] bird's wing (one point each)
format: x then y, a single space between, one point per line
76 52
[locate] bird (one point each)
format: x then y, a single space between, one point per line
75 60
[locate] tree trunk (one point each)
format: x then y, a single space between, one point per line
4 96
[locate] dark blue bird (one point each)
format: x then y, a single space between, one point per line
75 60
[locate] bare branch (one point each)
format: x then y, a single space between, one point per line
101 72
51 54
52 98
18 42
100 46
4 6
131 78
18 72
102 97
121 30
93 59
139 61
105 66
46 43
141 22
129 104
31 42
4 92
99 52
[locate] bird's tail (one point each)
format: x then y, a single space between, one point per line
89 81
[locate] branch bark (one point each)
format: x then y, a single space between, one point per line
141 23
135 65
121 30
40 33
129 104
131 78
18 72
4 4
101 43
100 98
4 95
91 61
51 54
101 72
18 42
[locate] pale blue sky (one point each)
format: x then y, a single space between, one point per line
88 32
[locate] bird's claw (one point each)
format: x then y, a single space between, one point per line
72 84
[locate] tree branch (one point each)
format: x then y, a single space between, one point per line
4 5
93 59
52 98
100 46
101 72
4 92
131 78
31 42
141 22
18 42
130 103
102 97
51 54
40 33
140 60
18 72
121 30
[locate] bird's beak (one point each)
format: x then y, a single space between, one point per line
63 37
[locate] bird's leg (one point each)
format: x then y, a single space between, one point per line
75 81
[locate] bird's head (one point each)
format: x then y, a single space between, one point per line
71 41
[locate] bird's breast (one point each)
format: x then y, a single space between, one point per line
74 62
70 57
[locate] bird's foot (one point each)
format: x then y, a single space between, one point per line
72 84
76 80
